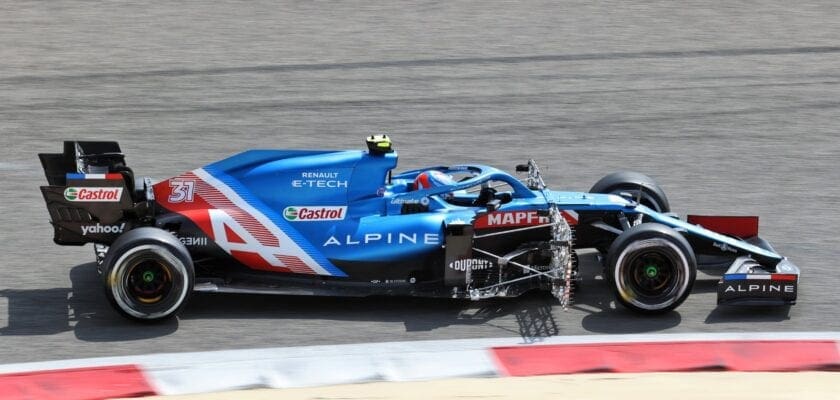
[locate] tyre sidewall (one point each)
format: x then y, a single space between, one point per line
161 245
646 235
631 182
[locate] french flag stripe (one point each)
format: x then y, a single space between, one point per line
742 277
73 176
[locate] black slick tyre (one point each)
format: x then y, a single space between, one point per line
148 274
633 183
651 268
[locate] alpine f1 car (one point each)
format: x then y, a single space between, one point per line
343 223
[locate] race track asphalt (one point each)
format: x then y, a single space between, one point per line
732 106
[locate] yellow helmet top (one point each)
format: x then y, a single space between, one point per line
379 144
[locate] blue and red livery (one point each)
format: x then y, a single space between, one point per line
325 222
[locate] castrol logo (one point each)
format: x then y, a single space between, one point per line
93 194
314 213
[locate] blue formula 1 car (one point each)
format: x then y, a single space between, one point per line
342 223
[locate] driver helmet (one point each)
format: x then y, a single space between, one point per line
432 179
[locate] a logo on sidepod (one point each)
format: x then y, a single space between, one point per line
314 213
93 194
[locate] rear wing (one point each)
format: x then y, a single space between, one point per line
82 157
91 195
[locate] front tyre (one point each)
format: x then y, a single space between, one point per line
651 268
148 274
637 185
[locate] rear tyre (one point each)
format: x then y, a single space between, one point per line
652 195
148 274
651 268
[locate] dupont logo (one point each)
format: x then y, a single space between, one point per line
314 213
100 194
472 264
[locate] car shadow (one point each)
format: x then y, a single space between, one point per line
741 314
535 315
84 309
532 312
36 312
603 316
81 308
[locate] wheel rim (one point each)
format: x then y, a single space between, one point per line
149 280
652 274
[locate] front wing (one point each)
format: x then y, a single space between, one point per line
743 285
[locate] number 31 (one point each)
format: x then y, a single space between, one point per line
182 191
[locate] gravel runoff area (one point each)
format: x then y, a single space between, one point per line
714 385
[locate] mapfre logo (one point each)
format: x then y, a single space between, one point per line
91 194
314 213
511 219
